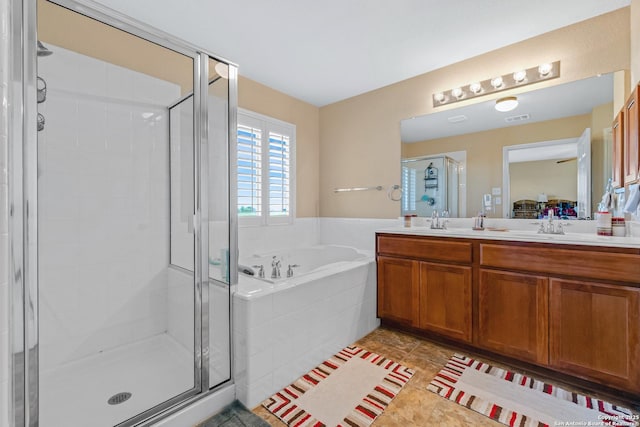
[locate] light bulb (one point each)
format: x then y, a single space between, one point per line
496 82
476 88
439 97
519 76
457 92
545 69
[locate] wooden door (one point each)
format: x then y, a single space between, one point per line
630 150
595 332
445 300
513 314
398 287
617 176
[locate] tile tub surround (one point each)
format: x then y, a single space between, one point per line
417 406
282 335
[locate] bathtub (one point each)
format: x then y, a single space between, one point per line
285 327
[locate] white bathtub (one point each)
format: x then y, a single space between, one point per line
284 328
316 260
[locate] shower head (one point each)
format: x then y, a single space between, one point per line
42 50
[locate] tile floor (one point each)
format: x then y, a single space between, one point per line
415 405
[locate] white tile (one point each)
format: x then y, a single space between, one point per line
4 407
259 391
4 356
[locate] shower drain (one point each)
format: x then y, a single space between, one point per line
119 398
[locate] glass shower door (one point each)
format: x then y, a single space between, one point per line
116 310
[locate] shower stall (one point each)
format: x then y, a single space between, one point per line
123 240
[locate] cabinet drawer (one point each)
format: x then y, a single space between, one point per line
424 248
621 267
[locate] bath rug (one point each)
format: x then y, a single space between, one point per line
235 415
350 389
517 400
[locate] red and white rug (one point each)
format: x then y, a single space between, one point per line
517 400
350 389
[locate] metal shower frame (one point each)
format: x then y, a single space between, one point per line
23 225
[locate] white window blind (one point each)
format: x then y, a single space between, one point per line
249 171
409 186
279 177
265 169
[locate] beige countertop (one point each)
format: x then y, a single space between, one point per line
519 235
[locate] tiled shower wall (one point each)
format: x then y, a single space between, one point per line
103 206
4 236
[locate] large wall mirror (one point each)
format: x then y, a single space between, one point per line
551 152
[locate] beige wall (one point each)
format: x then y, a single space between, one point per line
556 180
484 150
360 136
261 99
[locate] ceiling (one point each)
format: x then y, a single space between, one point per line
554 102
326 51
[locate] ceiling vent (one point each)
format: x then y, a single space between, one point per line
520 118
457 119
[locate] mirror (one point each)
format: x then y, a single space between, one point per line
481 140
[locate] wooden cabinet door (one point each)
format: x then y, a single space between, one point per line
617 158
445 300
595 332
631 151
513 315
398 287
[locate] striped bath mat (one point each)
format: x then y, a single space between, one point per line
517 400
350 389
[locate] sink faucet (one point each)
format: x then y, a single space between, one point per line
439 222
275 271
550 227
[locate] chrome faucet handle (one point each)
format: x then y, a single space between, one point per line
260 270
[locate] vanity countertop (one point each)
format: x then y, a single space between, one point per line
570 238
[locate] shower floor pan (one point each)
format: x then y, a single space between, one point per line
77 394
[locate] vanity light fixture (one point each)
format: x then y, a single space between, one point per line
506 104
519 78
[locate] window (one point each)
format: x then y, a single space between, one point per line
265 169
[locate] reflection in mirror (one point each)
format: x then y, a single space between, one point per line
560 112
430 184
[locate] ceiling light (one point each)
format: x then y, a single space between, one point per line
496 82
545 69
439 97
457 92
506 104
519 76
475 87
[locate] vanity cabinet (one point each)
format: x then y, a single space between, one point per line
513 309
445 300
437 276
631 149
617 172
574 309
398 287
595 331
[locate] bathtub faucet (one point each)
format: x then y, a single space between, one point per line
290 269
275 264
260 270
